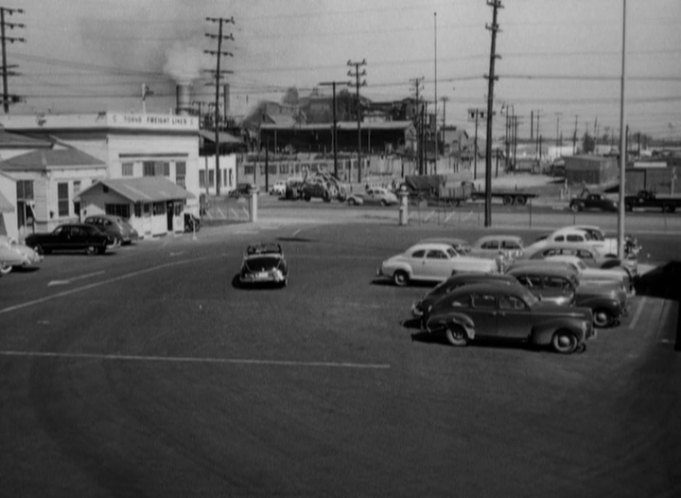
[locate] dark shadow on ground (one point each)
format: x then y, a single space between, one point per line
663 282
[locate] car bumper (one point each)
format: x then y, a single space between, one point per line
269 277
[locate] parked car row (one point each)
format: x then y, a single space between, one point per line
552 293
95 235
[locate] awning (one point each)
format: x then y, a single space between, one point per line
5 205
146 189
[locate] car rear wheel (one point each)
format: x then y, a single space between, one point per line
5 268
564 342
91 250
456 335
576 207
602 317
401 278
384 203
352 202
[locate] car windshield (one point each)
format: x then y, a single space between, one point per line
527 296
262 263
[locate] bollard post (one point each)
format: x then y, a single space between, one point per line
404 207
253 203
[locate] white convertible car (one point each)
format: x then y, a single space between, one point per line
433 262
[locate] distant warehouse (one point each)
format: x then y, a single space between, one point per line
592 170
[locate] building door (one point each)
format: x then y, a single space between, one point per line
170 212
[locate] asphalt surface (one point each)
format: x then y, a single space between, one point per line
146 373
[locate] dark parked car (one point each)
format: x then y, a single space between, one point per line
241 190
508 312
118 228
608 302
592 201
452 283
70 237
264 263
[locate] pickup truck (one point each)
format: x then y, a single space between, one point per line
649 199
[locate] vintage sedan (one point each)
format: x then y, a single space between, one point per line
377 196
595 201
608 303
591 256
263 263
15 255
431 262
119 229
509 312
593 236
70 237
452 283
503 248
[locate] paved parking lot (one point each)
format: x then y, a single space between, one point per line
145 372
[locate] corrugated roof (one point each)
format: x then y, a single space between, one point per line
145 189
343 125
225 138
41 160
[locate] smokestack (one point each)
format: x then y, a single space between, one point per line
184 99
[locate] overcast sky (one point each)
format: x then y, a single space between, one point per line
560 59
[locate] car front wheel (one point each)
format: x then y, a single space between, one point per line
456 335
5 268
575 208
401 278
91 250
564 342
602 317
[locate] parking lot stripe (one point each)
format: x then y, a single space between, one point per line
185 359
637 315
95 284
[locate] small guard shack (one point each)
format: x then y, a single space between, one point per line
154 206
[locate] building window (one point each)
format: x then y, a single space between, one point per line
25 190
126 169
248 170
180 173
202 179
138 210
122 210
155 168
63 199
159 207
211 178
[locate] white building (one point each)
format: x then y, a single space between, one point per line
130 146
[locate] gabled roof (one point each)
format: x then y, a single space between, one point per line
145 189
15 141
5 205
41 160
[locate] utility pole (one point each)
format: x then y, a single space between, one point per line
494 28
574 137
623 139
437 150
475 115
558 115
334 134
6 97
357 75
417 82
219 53
444 100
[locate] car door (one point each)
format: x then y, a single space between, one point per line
60 239
484 314
514 317
436 265
416 260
